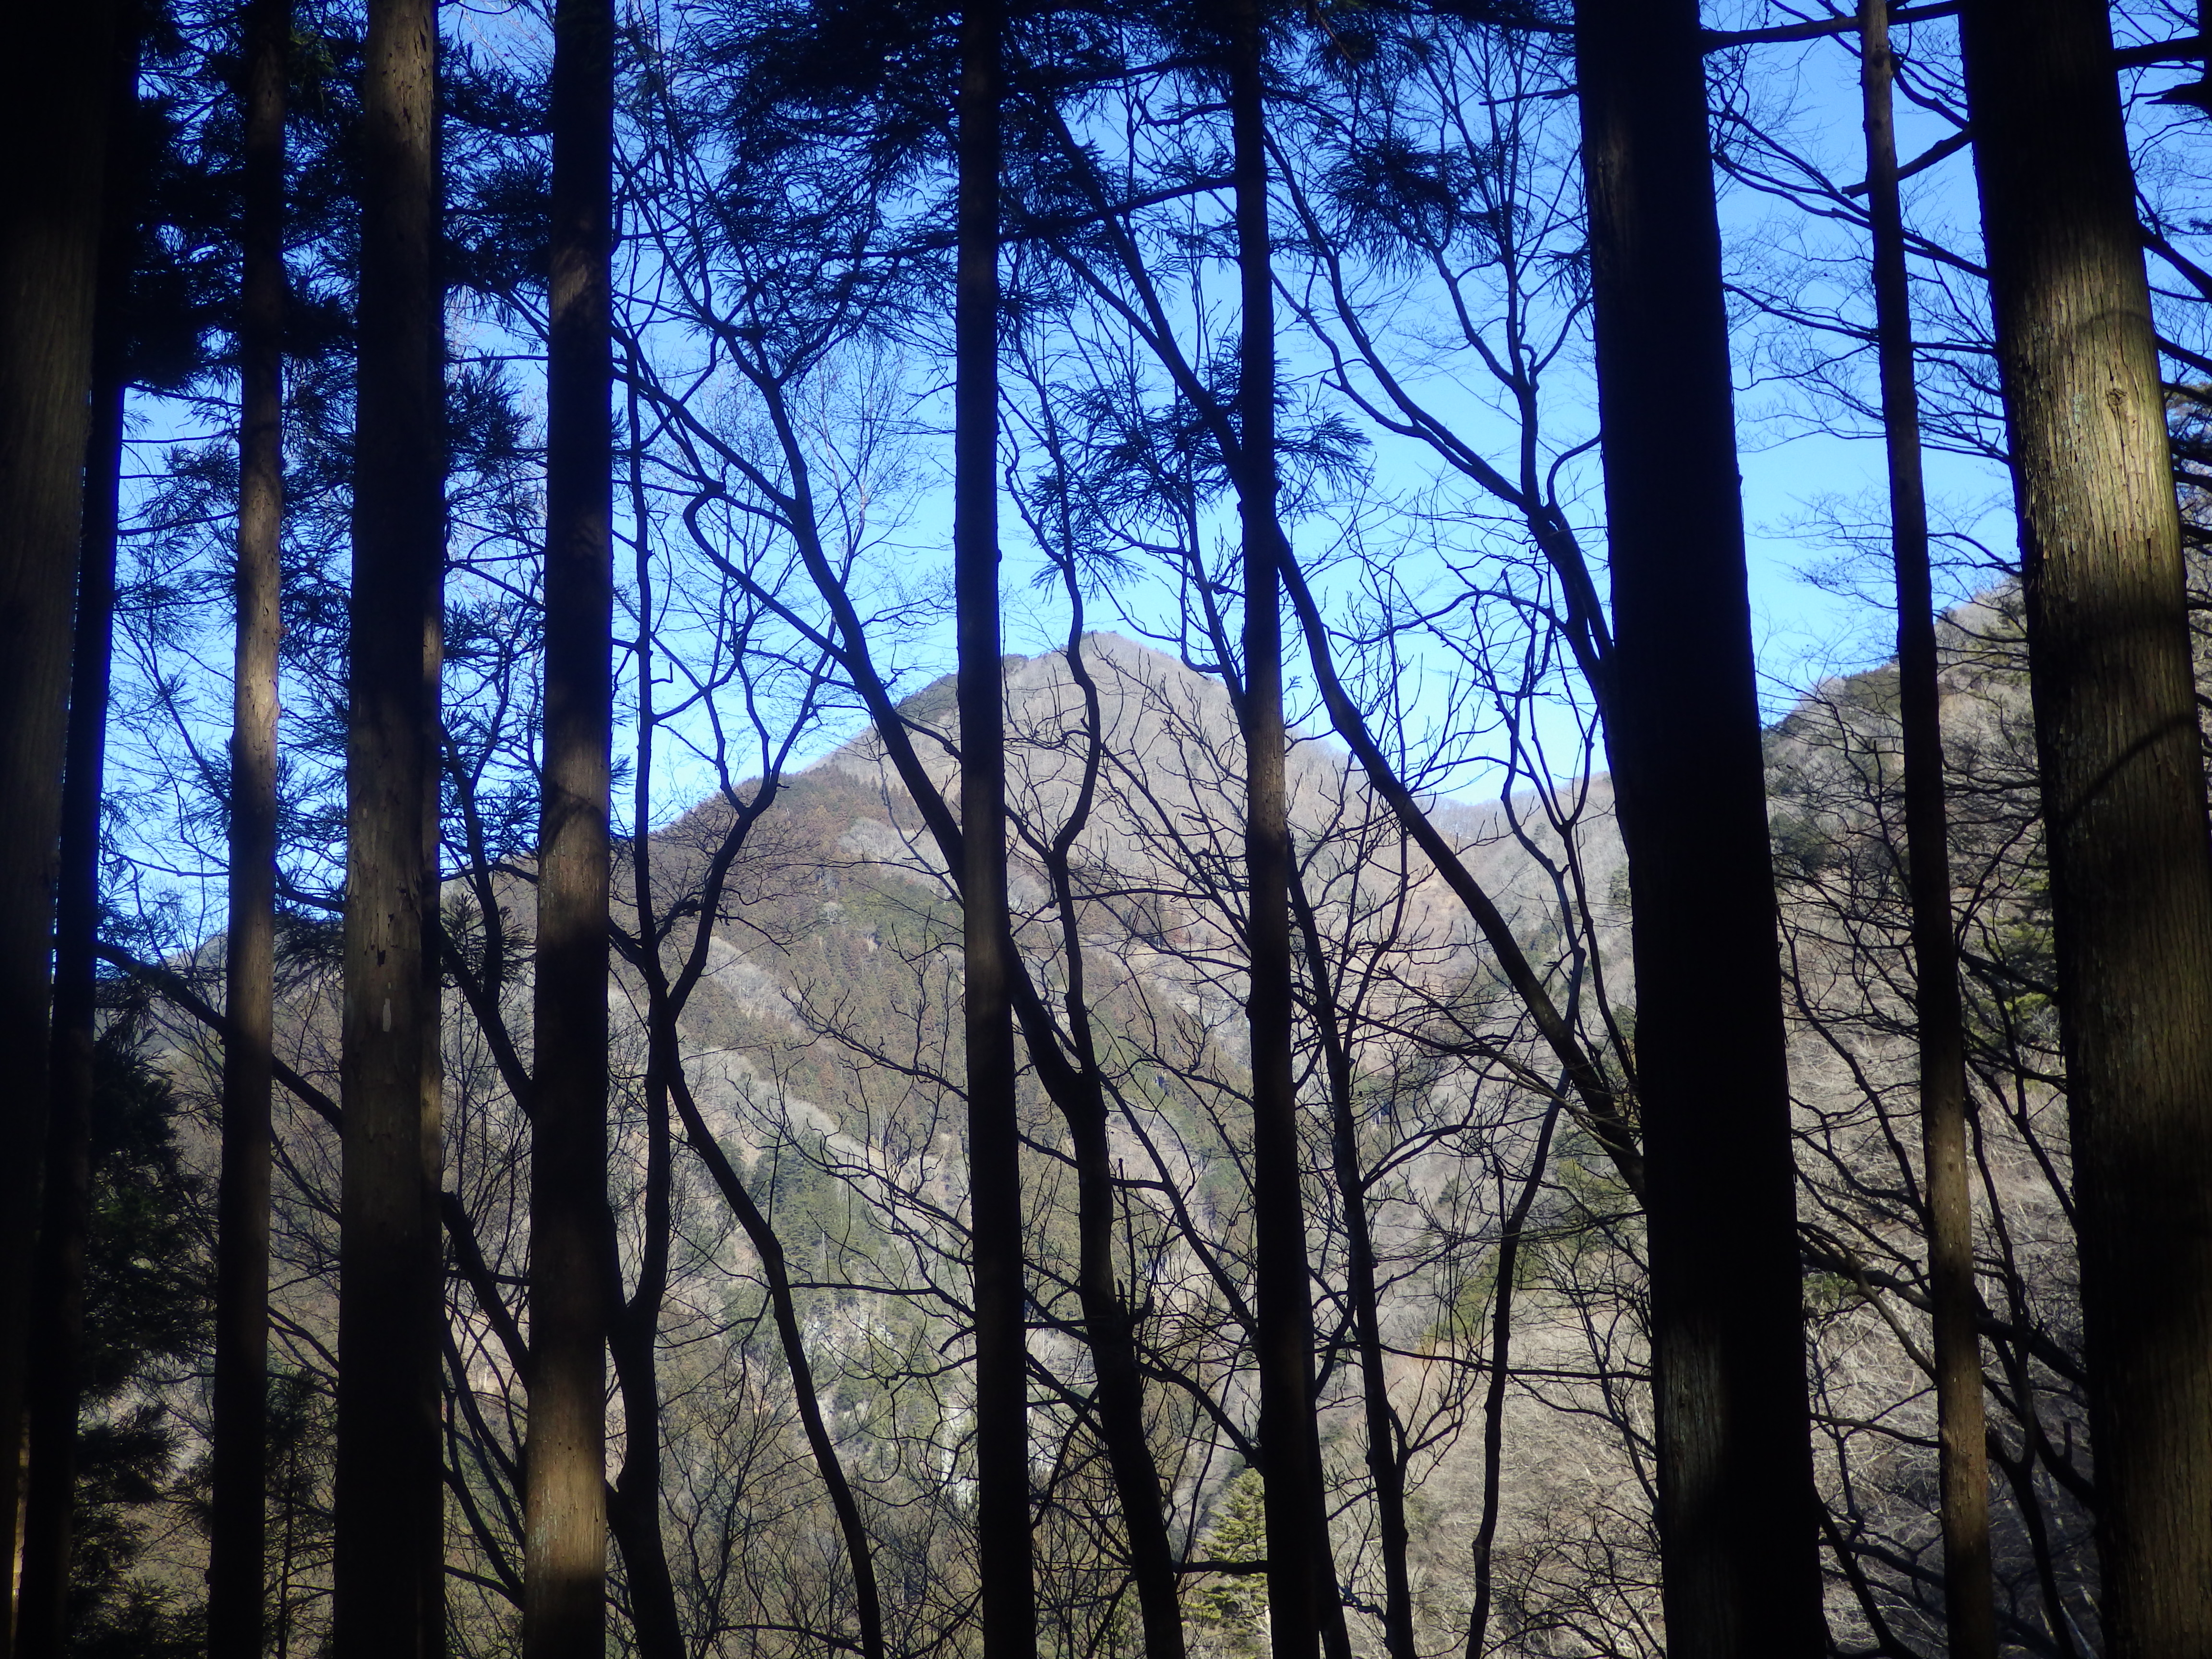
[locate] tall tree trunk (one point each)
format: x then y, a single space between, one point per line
1738 1512
238 1525
1301 1584
57 1294
572 1293
58 1298
1002 1523
1963 1455
53 130
2123 781
388 1585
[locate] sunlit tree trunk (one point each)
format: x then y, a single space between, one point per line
571 1292
388 1583
1009 1591
1963 1458
237 1525
1737 1508
2123 784
57 1292
53 109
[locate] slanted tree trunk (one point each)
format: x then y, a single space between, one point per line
1738 1514
1962 1456
1511 1237
1301 1584
1109 1329
57 1292
1079 1090
571 1255
388 1568
53 130
633 1506
1386 1467
1008 1587
2123 782
1076 1088
237 1525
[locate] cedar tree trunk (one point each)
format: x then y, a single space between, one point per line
2123 779
237 1524
1738 1517
571 1255
53 130
388 1568
1003 1547
1301 1584
58 1293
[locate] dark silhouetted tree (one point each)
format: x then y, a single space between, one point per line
1963 1458
389 1567
572 1260
1738 1516
54 118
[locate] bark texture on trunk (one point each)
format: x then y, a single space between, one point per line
388 1570
1962 1456
1301 1584
2123 784
57 1294
237 1525
1008 1586
572 1259
1738 1511
53 130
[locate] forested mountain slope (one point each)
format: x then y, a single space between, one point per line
821 1048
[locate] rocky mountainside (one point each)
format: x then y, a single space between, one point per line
822 1046
828 977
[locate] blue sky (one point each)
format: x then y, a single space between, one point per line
1804 631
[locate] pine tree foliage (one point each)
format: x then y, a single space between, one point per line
147 1328
1236 1606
